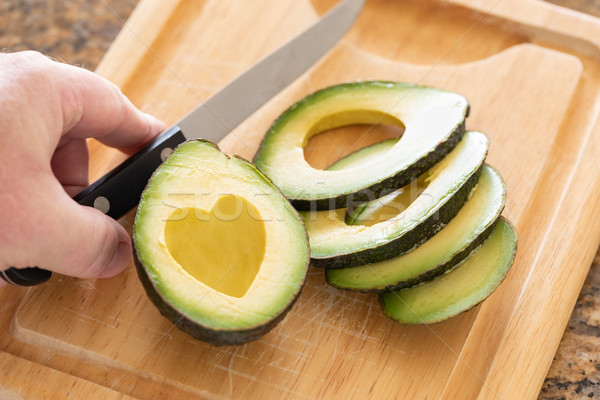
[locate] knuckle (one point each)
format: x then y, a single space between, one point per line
33 55
31 62
30 70
119 106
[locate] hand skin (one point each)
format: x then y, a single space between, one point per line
47 109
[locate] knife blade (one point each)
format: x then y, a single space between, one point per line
119 190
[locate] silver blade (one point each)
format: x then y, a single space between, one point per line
226 109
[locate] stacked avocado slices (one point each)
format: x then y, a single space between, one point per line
222 245
416 219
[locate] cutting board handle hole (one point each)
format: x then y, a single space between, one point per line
426 32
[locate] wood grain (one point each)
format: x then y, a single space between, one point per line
22 379
539 106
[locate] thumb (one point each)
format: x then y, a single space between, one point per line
106 245
95 246
79 241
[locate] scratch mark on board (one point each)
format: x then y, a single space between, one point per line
230 375
255 379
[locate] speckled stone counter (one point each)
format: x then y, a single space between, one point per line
76 31
80 31
575 372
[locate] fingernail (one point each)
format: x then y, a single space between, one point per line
119 262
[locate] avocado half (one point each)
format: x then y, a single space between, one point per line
433 122
219 250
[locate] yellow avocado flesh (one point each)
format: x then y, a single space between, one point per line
392 205
222 248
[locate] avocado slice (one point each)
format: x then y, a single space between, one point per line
433 122
443 190
460 289
466 231
219 250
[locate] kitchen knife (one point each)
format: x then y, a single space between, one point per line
119 190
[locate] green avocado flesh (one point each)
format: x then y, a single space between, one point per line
433 122
218 248
459 290
364 156
467 230
440 193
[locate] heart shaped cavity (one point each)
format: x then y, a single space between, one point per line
222 248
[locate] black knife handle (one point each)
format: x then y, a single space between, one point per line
25 277
119 190
114 194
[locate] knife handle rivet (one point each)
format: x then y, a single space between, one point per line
101 203
166 152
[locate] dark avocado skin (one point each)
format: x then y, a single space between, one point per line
387 185
432 273
199 332
422 232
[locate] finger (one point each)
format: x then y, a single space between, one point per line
96 246
95 107
70 165
63 99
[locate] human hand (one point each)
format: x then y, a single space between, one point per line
47 109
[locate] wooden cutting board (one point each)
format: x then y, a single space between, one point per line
531 73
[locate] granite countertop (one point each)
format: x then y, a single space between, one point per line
80 31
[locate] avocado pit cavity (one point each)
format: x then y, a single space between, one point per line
222 248
347 132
